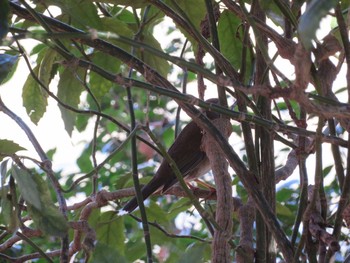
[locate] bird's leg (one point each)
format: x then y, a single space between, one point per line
210 187
205 185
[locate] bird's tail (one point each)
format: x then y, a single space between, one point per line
146 191
131 205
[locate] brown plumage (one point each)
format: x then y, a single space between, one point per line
188 156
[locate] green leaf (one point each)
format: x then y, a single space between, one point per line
47 67
326 170
8 148
34 98
195 11
8 64
117 26
136 250
341 90
134 3
8 212
231 46
283 210
179 206
345 4
82 13
123 180
38 49
296 107
168 136
50 153
49 220
35 192
159 64
155 213
310 20
41 208
3 172
284 194
110 231
4 12
273 12
104 253
195 253
281 106
154 17
230 41
122 14
278 11
99 85
69 91
84 161
27 186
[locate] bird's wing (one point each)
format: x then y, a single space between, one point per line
186 153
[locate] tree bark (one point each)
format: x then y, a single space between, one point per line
220 246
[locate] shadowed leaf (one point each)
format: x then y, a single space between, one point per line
69 90
310 20
27 186
4 11
7 66
34 98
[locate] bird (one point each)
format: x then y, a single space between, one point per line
189 157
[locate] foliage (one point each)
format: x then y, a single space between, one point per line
116 67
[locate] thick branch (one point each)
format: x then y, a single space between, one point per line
220 246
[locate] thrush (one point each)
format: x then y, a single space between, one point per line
186 152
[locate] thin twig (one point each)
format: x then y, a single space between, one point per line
26 130
159 227
105 161
134 162
30 242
